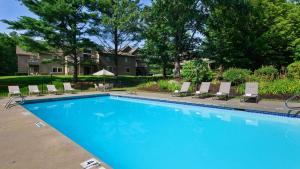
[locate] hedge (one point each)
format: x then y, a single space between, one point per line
42 81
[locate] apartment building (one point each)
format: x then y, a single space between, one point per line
129 63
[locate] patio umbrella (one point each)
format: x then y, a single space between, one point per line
104 73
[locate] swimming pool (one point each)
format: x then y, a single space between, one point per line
130 133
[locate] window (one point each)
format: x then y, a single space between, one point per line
87 54
127 70
87 51
57 70
126 59
109 68
107 58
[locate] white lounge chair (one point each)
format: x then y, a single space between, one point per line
68 87
99 87
33 89
52 89
108 86
251 92
203 91
96 87
224 90
14 91
183 91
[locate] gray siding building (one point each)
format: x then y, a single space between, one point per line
90 61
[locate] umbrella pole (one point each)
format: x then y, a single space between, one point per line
104 85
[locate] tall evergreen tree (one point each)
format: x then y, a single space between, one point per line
62 25
8 57
115 24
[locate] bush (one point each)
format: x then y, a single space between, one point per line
42 80
280 87
30 80
169 86
147 85
266 72
236 75
161 85
196 71
294 70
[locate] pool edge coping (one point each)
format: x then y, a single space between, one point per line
64 97
166 100
281 114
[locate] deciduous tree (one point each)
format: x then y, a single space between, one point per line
184 21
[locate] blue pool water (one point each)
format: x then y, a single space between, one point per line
139 134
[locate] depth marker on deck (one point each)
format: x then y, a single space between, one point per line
91 164
26 113
39 124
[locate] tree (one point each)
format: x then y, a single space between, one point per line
184 20
229 33
249 34
287 28
61 25
158 44
156 52
8 57
115 24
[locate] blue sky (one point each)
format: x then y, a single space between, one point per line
12 9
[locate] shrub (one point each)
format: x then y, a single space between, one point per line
236 75
169 86
266 72
280 87
161 85
42 80
294 70
275 87
147 85
196 71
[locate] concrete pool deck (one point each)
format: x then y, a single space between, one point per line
24 145
263 105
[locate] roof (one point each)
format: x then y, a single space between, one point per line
20 51
126 51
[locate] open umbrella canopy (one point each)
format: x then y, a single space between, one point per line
103 72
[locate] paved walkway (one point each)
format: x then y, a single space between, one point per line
24 145
263 105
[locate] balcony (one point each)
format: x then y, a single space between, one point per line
141 63
89 59
33 61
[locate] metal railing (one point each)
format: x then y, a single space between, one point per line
13 101
292 109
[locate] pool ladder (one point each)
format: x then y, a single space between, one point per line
13 101
292 110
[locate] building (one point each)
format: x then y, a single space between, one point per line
129 63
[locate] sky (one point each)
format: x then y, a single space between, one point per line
12 9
